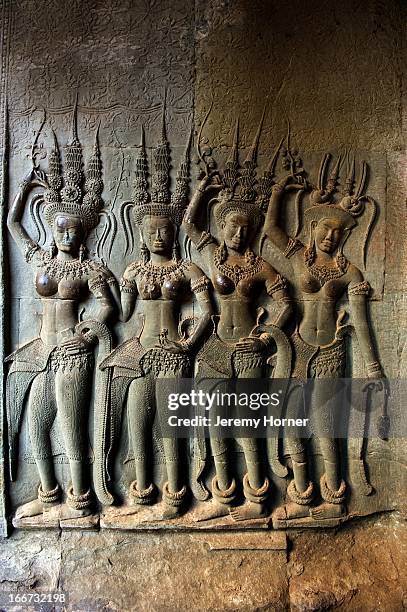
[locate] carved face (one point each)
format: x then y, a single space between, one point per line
328 235
236 231
67 233
158 234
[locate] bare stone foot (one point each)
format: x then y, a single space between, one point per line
164 512
327 511
291 511
210 510
248 511
63 511
126 510
32 508
134 508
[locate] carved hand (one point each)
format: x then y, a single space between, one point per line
294 182
206 186
173 346
318 196
250 345
76 345
35 178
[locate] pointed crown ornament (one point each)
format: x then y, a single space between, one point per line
350 206
64 193
159 201
242 191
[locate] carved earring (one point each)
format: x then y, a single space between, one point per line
175 252
310 252
223 252
144 253
340 257
249 257
53 248
82 253
175 249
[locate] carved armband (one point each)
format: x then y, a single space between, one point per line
278 188
30 248
266 339
188 343
90 337
128 286
96 282
204 240
292 247
362 288
280 284
373 368
200 284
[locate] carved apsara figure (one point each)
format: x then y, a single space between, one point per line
322 275
56 369
158 283
236 349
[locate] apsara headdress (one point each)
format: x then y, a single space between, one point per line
70 191
349 207
159 201
242 190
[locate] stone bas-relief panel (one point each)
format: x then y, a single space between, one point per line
120 71
77 453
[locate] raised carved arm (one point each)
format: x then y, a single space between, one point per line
358 292
272 224
276 287
189 222
101 287
272 227
200 286
19 234
128 293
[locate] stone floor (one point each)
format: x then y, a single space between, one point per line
362 566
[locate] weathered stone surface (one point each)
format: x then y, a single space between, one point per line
335 70
360 567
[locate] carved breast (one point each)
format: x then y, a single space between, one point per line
67 289
149 290
331 290
70 289
225 285
45 285
169 290
309 284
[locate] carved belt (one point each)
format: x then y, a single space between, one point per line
132 360
31 357
60 359
330 361
225 360
317 362
36 356
158 360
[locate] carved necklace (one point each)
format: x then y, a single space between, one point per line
65 270
323 273
151 273
235 272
